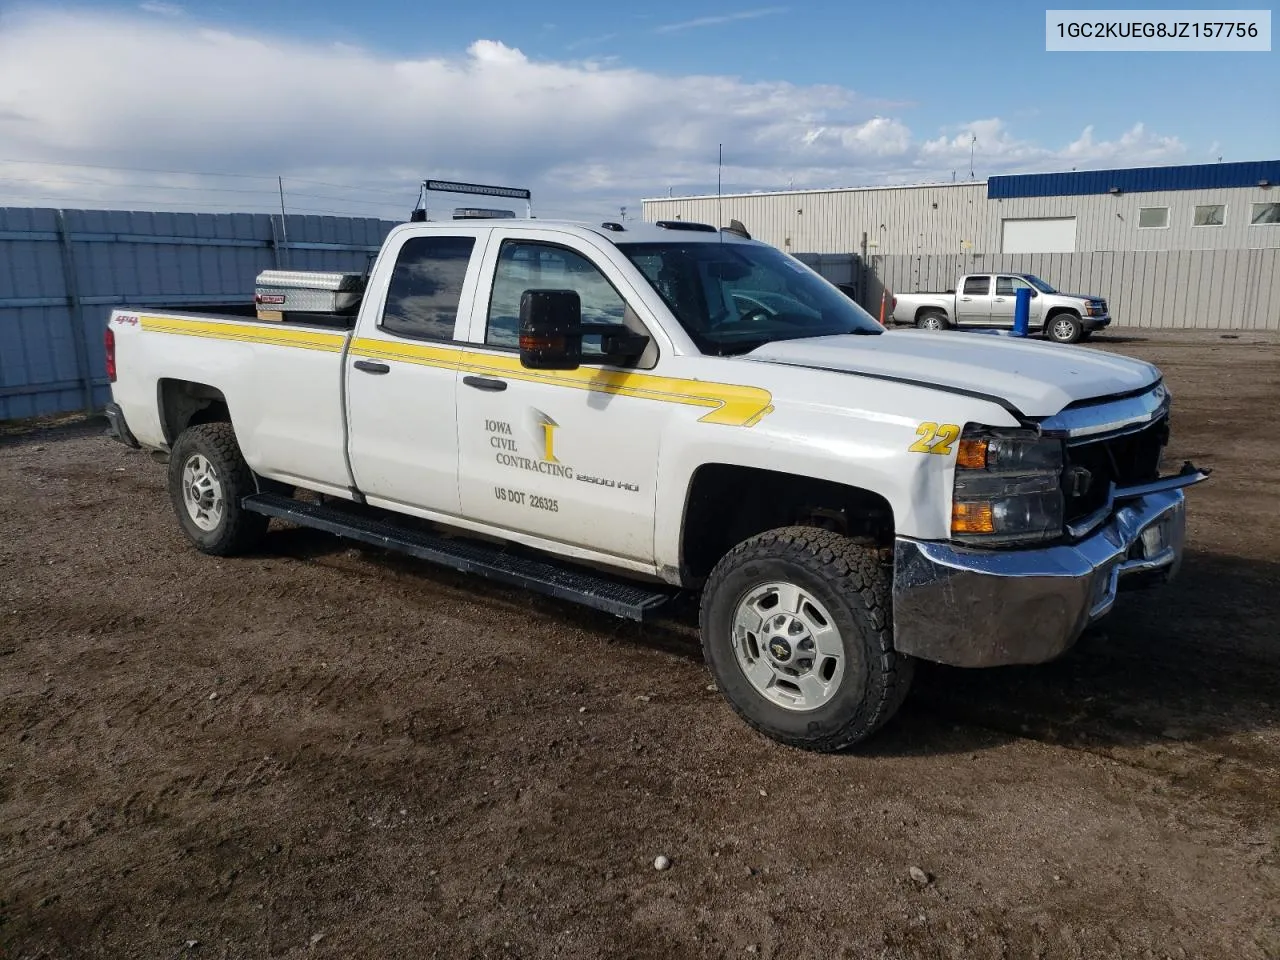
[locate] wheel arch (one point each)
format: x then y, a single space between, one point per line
1060 310
184 403
727 503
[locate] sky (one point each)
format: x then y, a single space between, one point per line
201 106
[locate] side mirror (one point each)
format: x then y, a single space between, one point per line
550 330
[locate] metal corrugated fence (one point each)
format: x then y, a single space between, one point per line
62 271
1184 290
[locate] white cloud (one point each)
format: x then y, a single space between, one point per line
718 20
167 93
998 150
162 9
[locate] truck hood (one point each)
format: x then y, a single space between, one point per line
1039 379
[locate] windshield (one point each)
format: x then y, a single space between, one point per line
734 297
1038 283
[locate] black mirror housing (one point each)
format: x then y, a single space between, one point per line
550 330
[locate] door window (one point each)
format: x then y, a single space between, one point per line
977 286
524 265
1009 286
426 287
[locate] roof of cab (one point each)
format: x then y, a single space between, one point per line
632 231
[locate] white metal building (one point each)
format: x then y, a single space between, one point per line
1220 206
1191 245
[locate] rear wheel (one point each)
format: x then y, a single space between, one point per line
207 479
932 320
797 629
1065 328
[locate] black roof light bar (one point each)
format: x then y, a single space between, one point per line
419 213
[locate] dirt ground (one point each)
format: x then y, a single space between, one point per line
322 751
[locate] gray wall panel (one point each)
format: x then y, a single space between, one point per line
39 343
1188 289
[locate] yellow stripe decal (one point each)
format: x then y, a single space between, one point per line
730 404
246 333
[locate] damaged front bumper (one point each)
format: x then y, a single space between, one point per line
986 608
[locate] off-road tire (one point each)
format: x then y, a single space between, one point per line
1062 320
853 583
238 530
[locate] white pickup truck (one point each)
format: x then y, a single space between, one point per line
987 300
616 413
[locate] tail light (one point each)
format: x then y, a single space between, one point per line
110 340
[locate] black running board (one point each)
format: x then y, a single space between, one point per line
622 599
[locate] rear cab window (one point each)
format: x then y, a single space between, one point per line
427 286
977 286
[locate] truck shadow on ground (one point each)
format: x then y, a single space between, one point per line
1102 339
1194 661
1197 660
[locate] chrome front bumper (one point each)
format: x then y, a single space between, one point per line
988 608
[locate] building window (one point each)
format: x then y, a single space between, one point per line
1153 217
1210 215
1265 213
426 287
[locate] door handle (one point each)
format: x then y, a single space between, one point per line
999 299
372 366
484 383
966 299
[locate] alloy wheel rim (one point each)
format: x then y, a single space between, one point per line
202 492
788 647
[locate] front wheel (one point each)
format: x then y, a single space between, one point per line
207 479
1066 328
797 629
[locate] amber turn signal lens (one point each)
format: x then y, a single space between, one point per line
972 518
972 455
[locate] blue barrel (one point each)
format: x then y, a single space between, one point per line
1022 312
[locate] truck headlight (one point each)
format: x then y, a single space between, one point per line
1008 488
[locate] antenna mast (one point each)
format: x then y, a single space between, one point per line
719 202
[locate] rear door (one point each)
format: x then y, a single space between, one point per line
402 370
973 301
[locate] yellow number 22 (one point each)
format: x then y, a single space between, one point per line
935 438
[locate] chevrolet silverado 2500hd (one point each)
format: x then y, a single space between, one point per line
614 414
986 300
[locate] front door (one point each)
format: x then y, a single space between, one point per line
1005 301
973 301
572 455
402 371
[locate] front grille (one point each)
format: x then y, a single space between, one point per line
1125 460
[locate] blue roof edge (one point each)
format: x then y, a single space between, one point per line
1199 176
